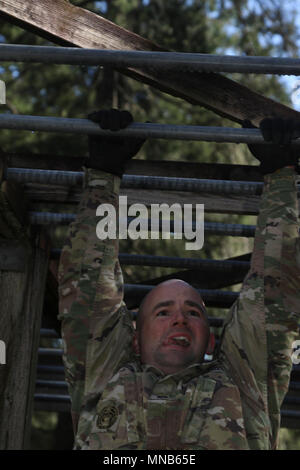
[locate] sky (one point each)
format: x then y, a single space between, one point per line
292 83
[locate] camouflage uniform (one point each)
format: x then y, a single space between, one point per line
231 403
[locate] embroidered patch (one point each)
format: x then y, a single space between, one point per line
107 416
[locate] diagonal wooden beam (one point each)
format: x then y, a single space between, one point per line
66 24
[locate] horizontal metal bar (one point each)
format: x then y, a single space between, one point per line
55 177
51 369
295 386
48 333
50 352
208 295
75 178
191 185
291 400
290 414
47 218
174 262
141 130
54 397
51 384
296 368
212 228
162 60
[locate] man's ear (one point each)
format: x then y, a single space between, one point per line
135 343
211 344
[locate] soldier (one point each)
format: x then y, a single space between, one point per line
150 389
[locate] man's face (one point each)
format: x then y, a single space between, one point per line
174 331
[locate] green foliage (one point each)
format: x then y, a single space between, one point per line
42 430
289 439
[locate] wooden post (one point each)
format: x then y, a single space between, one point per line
66 24
23 268
21 294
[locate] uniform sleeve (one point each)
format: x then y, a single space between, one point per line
96 326
256 345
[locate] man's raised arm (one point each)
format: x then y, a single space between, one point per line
96 326
257 340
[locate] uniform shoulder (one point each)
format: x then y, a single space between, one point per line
218 373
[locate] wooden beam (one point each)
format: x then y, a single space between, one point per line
13 256
180 169
67 24
21 296
208 278
215 203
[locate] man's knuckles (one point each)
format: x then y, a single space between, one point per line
111 119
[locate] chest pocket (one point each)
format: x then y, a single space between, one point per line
215 420
200 403
118 416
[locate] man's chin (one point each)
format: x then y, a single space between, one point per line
176 359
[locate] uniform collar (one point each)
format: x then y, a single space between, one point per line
154 375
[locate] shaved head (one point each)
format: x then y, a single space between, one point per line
173 283
172 327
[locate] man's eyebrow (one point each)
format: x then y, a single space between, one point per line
165 303
191 303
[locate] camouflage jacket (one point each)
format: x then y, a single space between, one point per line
231 403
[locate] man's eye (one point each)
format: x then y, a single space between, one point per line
194 313
162 313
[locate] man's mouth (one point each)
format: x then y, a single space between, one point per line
178 340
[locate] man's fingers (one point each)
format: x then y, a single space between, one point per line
289 126
247 124
266 129
95 116
102 118
280 131
125 119
133 145
111 119
276 131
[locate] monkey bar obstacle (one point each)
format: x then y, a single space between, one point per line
173 262
75 178
141 130
212 228
179 61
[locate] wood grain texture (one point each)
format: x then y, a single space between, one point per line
41 193
180 169
13 256
22 295
67 24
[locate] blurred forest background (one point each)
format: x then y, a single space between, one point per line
262 28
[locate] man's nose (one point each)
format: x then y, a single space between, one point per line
179 317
